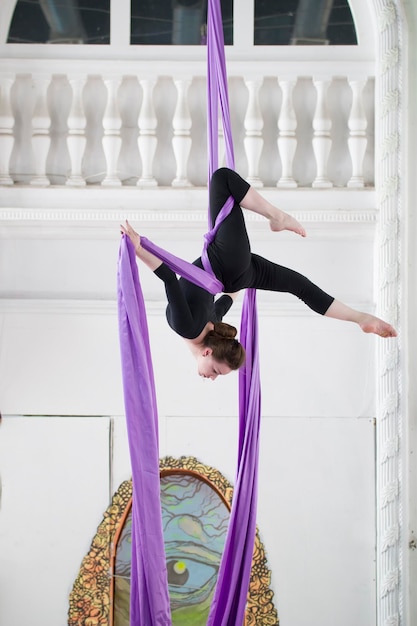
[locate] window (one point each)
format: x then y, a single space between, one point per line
175 22
182 22
153 22
303 22
61 21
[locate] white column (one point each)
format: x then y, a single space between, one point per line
41 123
76 132
6 129
112 140
357 133
321 141
253 132
393 533
147 136
287 142
181 141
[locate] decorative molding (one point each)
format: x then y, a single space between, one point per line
390 100
106 201
96 222
388 182
154 308
390 59
389 405
387 16
91 215
389 493
336 216
391 448
390 582
390 361
391 537
389 145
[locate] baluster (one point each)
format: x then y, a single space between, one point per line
112 140
6 129
147 137
181 141
321 141
76 133
357 141
41 123
253 132
287 142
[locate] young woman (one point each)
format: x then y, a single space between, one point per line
196 316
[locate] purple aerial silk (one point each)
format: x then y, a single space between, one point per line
149 598
149 588
229 601
184 268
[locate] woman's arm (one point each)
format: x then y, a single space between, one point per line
179 312
148 258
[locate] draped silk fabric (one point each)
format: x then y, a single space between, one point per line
229 601
149 598
149 602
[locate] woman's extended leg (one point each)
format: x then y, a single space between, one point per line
278 220
367 322
272 277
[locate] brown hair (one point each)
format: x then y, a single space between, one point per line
226 349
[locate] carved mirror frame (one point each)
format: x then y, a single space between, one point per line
91 601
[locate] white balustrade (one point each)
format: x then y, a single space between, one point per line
181 141
253 132
147 134
41 123
6 129
76 139
322 142
112 140
57 130
357 141
287 142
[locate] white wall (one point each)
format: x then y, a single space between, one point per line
59 357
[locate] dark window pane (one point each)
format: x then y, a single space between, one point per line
175 22
341 29
303 22
61 21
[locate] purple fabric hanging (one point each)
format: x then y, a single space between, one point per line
229 601
149 588
149 598
189 271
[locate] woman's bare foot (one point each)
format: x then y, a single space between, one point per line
371 324
283 221
367 322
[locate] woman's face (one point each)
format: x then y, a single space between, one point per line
208 367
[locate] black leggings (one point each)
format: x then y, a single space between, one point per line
232 260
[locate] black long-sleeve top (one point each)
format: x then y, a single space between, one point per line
190 307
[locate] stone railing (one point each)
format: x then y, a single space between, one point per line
143 124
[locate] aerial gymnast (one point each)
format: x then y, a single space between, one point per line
196 315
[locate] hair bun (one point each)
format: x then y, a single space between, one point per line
224 330
225 347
